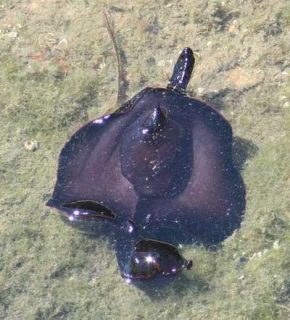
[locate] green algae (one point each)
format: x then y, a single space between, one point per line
58 70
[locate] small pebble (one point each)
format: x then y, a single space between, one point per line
276 245
31 145
13 35
200 91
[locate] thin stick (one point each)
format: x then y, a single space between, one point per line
110 30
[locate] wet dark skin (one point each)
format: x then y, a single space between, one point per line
160 169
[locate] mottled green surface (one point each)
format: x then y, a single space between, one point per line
58 70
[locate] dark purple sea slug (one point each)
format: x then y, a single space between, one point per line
161 165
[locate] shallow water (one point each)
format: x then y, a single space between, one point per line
58 70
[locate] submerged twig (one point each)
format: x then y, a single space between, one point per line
121 60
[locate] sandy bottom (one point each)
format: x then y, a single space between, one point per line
58 70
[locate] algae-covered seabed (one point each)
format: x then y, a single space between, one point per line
58 70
